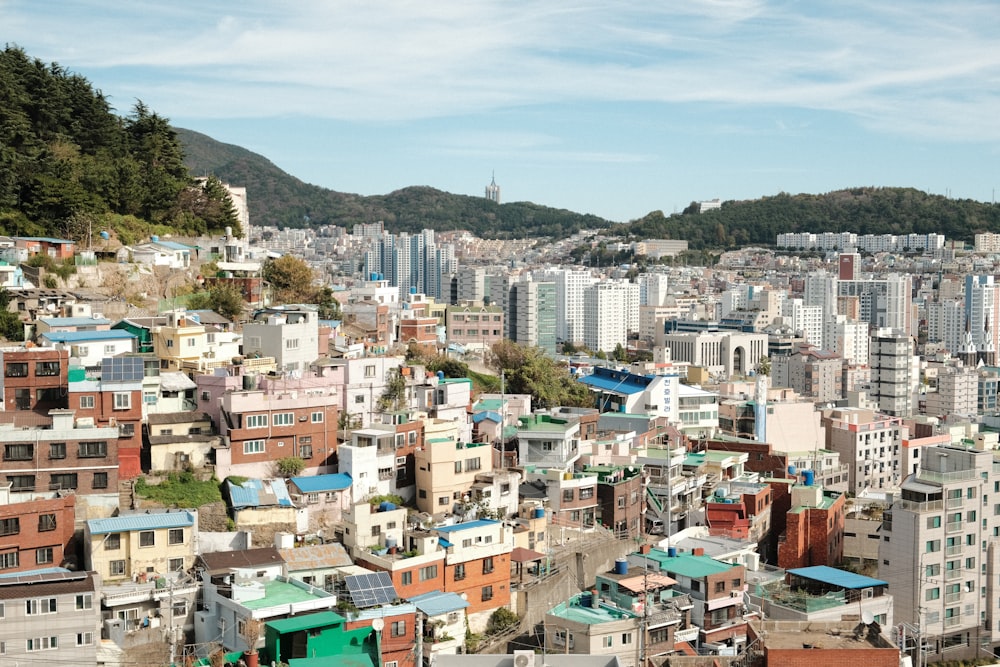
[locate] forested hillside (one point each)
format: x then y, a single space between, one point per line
276 198
861 210
69 165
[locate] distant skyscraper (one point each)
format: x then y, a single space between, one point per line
493 191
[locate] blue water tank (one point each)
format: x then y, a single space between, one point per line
390 542
413 290
154 238
386 506
105 236
585 600
621 566
809 476
720 493
672 552
539 512
372 276
792 470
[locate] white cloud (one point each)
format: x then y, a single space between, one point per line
911 70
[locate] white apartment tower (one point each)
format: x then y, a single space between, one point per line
570 286
982 306
847 338
605 309
807 319
939 552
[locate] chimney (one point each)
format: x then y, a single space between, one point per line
644 549
698 551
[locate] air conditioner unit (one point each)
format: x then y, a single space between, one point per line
303 418
737 594
524 658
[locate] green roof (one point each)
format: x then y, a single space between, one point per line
687 564
493 404
306 621
278 593
572 610
357 660
542 423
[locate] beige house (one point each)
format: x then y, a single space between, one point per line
180 440
141 545
447 469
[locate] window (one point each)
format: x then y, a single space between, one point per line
253 446
626 638
621 501
123 400
460 572
170 342
443 500
11 526
46 522
66 480
370 371
406 578
568 496
933 594
9 560
46 368
587 492
16 370
487 593
608 641
84 638
117 568
473 464
458 466
191 342
720 586
399 628
179 609
429 572
113 542
57 450
284 419
933 545
43 555
292 344
256 421
18 452
84 601
100 480
175 536
487 564
93 450
933 522
391 663
40 606
147 538
305 451
21 482
317 418
42 643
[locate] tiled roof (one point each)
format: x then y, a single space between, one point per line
131 522
27 585
223 561
316 557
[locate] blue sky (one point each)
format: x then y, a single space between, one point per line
614 108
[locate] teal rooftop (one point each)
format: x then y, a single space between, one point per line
578 609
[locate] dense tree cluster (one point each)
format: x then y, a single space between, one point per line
69 165
527 370
861 210
285 201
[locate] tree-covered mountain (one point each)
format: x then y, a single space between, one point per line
69 165
861 210
276 198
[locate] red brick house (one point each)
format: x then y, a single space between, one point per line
35 530
814 531
34 378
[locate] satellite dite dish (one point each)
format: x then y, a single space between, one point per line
867 617
378 625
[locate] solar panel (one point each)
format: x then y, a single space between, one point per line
122 369
370 590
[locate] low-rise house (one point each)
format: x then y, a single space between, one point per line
622 502
263 502
814 527
141 546
572 497
69 455
239 585
444 623
477 565
447 470
95 322
36 529
50 617
34 378
90 347
180 440
317 565
821 593
317 636
326 497
159 253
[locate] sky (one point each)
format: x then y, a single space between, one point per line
615 108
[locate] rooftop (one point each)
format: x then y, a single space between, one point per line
835 577
76 336
436 603
687 564
320 483
573 610
279 593
468 525
130 522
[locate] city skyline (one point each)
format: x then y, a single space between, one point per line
616 109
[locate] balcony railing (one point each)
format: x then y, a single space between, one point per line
952 575
954 503
941 477
953 527
952 621
952 597
953 550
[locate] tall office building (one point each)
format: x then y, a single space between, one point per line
939 552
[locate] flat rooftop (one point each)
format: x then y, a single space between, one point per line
279 593
573 610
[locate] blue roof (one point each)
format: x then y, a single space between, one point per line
619 382
445 543
835 577
486 414
41 570
478 523
73 321
130 522
77 336
436 603
249 492
319 483
173 245
46 239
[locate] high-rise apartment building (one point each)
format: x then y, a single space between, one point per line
570 285
532 314
605 308
893 376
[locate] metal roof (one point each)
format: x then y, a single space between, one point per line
73 321
835 577
320 483
478 523
131 522
257 493
76 336
437 603
618 382
316 619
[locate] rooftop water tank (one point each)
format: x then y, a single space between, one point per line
792 470
809 476
672 552
621 566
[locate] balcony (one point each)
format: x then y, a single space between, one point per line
944 477
952 575
953 527
952 621
954 503
953 550
951 598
